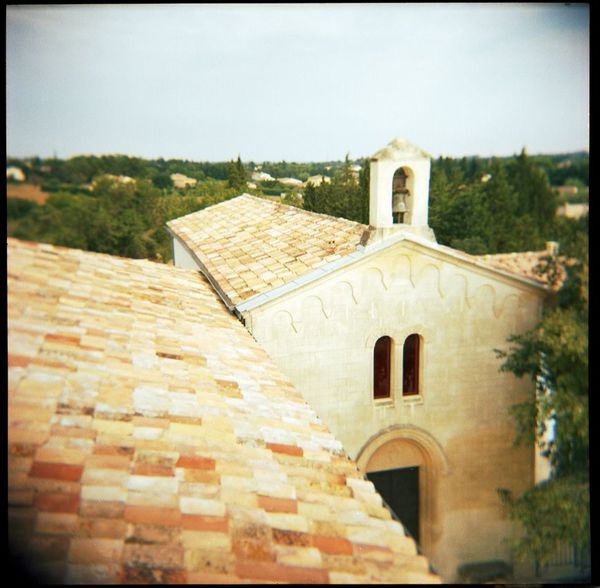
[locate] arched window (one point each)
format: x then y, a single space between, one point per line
382 368
410 365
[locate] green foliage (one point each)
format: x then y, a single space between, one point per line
162 180
555 356
554 512
513 211
302 171
236 175
17 208
491 206
535 196
120 219
343 197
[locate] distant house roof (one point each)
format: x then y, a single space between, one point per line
182 181
318 180
259 176
570 210
150 439
250 246
290 181
15 173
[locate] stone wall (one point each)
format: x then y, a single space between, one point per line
322 336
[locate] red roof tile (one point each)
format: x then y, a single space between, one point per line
143 440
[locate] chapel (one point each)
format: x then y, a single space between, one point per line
390 337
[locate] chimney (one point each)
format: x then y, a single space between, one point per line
552 248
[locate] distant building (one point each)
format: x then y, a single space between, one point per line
260 176
182 181
573 210
355 170
112 178
15 173
318 180
290 181
566 190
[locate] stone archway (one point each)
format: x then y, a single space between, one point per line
404 447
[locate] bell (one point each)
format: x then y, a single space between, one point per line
398 204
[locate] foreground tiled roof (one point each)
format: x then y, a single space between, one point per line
150 439
251 245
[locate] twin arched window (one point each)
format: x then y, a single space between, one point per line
383 365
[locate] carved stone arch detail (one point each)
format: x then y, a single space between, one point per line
348 288
451 286
318 301
283 317
401 446
506 301
428 269
403 269
377 275
425 440
486 290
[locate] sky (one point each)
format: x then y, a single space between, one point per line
296 82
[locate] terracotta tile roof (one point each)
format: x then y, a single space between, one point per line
528 265
251 245
150 439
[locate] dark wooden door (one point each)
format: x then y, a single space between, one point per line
400 489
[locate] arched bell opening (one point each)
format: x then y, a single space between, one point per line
401 196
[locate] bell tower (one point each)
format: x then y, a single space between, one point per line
399 190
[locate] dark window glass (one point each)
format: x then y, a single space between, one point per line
382 368
410 365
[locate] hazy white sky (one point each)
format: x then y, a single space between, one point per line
296 82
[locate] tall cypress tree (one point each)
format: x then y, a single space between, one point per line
236 174
535 196
501 203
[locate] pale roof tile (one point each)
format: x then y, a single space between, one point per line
251 245
231 237
151 439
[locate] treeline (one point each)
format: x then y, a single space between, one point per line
477 205
53 173
565 169
120 219
300 171
83 169
501 206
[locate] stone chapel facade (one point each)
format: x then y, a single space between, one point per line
390 337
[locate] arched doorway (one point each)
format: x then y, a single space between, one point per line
405 464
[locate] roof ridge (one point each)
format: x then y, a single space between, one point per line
274 204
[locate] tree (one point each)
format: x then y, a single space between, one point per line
162 180
236 174
555 355
344 196
535 197
501 204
